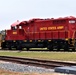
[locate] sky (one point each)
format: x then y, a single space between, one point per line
13 10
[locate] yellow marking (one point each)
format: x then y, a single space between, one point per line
43 28
30 40
49 40
14 41
73 35
66 39
68 34
14 32
60 27
73 41
52 28
25 40
39 40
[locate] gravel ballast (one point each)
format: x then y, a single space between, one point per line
23 68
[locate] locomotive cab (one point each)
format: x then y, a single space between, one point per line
13 36
13 27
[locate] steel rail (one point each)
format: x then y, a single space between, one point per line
37 62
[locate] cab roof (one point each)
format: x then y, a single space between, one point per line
15 23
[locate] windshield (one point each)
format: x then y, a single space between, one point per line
14 28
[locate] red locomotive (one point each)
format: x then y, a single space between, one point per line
51 33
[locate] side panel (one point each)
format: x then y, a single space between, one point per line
31 35
36 35
63 34
55 35
15 35
42 35
48 35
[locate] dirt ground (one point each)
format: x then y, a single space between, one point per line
3 72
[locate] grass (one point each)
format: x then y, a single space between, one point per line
66 56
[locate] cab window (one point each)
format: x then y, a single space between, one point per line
20 27
14 28
72 21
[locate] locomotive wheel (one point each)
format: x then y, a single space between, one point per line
2 48
56 47
66 48
9 48
18 48
50 47
72 49
27 49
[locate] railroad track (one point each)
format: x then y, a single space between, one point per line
37 62
37 50
42 50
